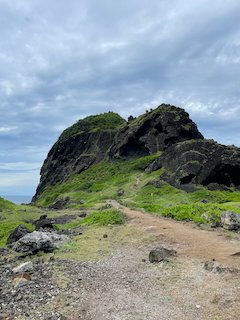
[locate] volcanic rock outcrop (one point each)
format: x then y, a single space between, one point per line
203 162
78 147
153 132
186 157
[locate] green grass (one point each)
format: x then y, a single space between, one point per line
177 204
105 121
102 181
5 204
99 218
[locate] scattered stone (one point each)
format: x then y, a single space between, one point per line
216 267
24 267
81 201
39 241
230 220
17 234
160 254
64 219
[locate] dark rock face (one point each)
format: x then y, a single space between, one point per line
43 223
152 132
203 162
73 155
17 234
188 159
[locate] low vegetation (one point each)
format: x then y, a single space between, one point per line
128 183
104 121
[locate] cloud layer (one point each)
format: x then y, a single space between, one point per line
62 60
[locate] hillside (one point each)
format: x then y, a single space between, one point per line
159 162
100 240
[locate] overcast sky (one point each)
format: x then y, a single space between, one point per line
62 60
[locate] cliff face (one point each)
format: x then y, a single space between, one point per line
200 162
187 158
73 155
152 132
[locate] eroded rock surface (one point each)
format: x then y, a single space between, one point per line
154 131
202 162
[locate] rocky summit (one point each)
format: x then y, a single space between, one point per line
185 156
109 136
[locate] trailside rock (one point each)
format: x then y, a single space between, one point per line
39 241
17 234
199 162
159 254
230 220
43 223
154 131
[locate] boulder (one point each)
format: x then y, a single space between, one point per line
43 223
230 220
159 254
39 241
17 233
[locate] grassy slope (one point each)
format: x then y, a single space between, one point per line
102 181
90 189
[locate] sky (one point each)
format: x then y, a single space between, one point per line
63 60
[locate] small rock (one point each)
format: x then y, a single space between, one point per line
230 220
105 236
82 215
160 254
24 267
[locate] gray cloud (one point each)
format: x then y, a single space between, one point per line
61 61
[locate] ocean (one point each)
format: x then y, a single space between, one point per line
18 199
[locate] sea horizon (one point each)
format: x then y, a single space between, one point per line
18 199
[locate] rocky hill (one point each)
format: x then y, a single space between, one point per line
167 132
108 136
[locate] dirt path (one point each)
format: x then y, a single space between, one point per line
188 240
